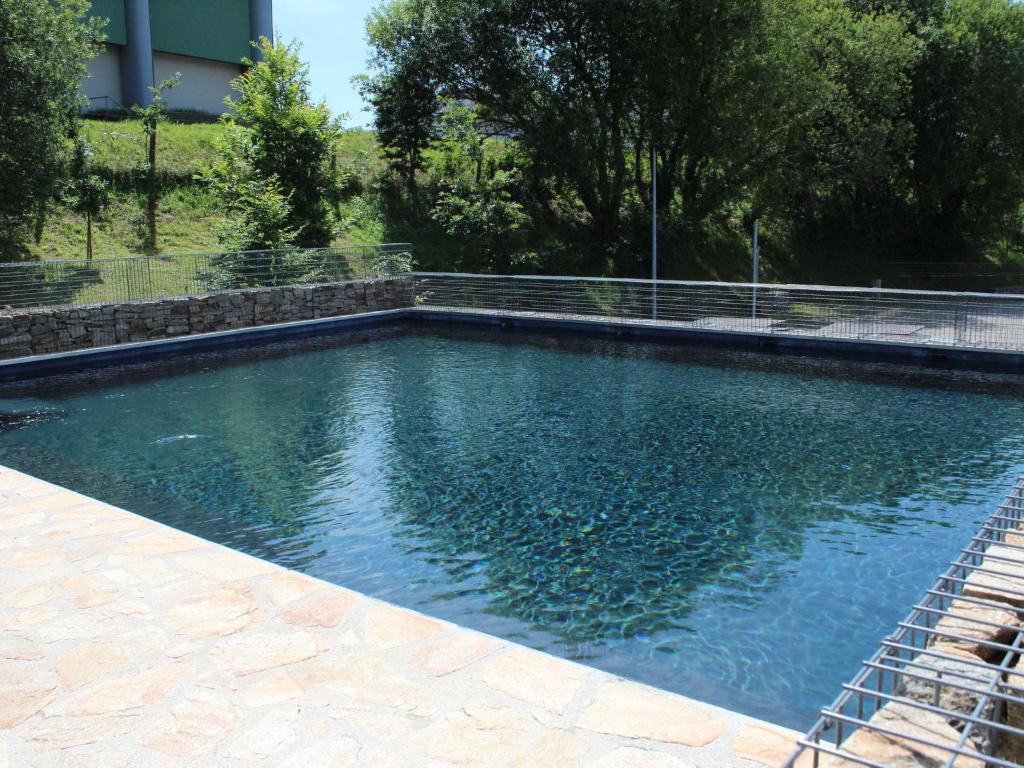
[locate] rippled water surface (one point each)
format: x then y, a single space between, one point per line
739 529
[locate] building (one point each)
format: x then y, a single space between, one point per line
149 41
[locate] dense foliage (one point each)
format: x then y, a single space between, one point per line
859 132
43 49
274 171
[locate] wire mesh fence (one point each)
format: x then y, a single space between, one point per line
947 688
956 275
95 281
931 318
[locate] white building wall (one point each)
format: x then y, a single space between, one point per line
104 79
204 83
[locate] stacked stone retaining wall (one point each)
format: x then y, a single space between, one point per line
42 330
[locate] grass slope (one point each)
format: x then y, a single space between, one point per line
188 213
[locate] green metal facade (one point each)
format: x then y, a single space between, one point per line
113 11
207 29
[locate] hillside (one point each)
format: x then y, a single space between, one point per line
188 214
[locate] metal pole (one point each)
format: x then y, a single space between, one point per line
654 232
756 257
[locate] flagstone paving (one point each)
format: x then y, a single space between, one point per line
127 643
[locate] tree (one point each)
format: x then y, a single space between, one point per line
403 92
587 96
152 115
43 49
967 167
831 183
86 193
476 198
276 153
860 131
255 237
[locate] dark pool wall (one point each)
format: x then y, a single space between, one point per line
62 329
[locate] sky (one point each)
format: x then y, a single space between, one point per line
334 45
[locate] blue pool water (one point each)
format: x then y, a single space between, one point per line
737 528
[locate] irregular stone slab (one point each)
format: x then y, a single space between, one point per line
634 757
58 733
254 653
26 520
163 542
555 749
194 726
274 688
337 753
264 737
151 574
15 647
33 557
321 611
625 709
765 745
1011 747
904 753
931 691
385 727
1014 537
386 627
222 566
964 620
995 586
210 614
90 662
532 677
90 589
472 735
451 653
285 587
28 597
18 705
131 692
365 680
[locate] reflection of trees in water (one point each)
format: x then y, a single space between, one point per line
598 504
45 283
237 459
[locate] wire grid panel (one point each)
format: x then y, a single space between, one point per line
930 318
945 689
99 281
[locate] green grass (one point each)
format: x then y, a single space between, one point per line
188 213
182 149
187 222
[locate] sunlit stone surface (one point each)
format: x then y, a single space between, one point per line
126 643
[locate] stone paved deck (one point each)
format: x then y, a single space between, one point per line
127 643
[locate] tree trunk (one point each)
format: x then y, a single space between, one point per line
40 223
411 189
334 181
152 198
88 236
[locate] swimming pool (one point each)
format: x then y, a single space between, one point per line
738 528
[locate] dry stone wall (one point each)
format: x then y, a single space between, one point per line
43 330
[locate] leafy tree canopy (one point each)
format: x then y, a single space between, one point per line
850 128
275 156
43 49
